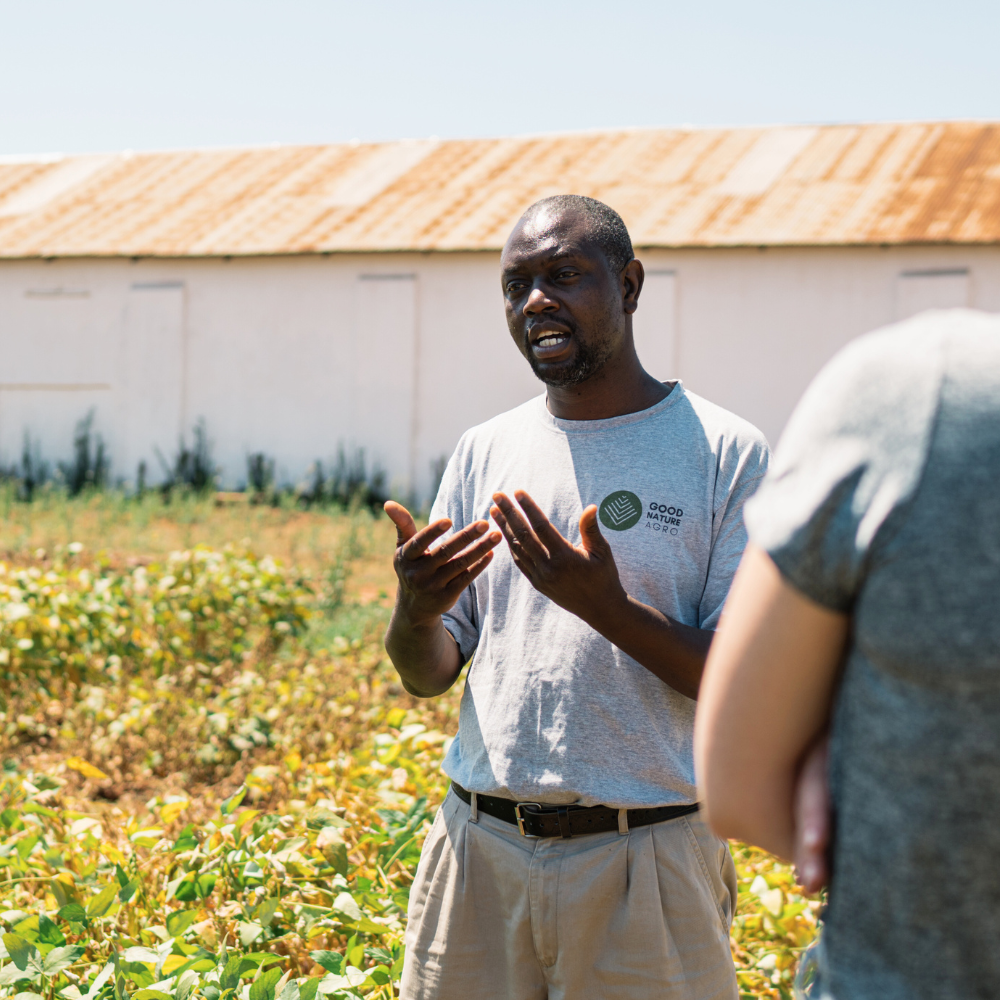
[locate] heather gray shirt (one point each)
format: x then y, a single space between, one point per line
553 712
884 501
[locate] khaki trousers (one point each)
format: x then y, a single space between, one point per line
606 916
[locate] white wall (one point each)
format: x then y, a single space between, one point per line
399 353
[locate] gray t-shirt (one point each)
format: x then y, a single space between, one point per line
884 501
553 712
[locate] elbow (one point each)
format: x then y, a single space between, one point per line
723 820
734 796
719 808
752 808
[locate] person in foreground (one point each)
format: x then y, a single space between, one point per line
871 591
569 859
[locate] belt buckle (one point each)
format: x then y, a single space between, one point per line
520 819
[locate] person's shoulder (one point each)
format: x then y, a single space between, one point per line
910 346
504 423
724 427
504 428
881 382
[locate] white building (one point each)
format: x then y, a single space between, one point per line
301 298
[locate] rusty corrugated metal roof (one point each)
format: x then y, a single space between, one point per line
799 185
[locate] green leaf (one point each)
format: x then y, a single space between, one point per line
127 892
346 904
332 961
34 807
266 911
19 950
48 932
27 928
233 802
9 817
150 995
26 845
61 958
307 990
73 912
102 977
290 991
249 932
121 875
64 893
179 921
206 883
98 905
262 988
186 840
138 954
379 975
230 977
259 958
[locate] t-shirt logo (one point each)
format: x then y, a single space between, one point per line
620 511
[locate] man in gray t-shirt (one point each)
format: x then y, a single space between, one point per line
569 859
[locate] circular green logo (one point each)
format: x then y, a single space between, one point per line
620 511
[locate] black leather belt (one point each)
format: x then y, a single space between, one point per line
535 820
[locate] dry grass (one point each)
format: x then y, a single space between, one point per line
125 531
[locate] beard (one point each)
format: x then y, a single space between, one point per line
586 363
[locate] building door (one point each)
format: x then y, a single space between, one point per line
384 375
917 291
654 324
153 397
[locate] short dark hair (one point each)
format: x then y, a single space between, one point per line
606 227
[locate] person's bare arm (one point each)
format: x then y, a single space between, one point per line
765 699
584 580
425 655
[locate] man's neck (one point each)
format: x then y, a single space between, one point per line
612 392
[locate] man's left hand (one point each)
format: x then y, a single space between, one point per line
583 579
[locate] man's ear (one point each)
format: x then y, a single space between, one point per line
632 279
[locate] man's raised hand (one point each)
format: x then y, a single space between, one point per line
431 580
583 579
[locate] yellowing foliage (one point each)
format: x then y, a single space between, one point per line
265 806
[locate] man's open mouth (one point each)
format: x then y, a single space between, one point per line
550 345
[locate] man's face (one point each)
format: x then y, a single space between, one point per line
564 305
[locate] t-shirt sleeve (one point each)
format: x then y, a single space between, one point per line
851 455
741 471
452 501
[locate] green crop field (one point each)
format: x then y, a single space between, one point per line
213 785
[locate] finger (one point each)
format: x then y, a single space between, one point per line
419 543
521 559
590 532
518 527
406 527
457 542
465 559
541 525
463 580
812 819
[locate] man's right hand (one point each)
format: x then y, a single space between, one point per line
431 580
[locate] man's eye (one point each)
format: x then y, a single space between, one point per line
514 286
566 273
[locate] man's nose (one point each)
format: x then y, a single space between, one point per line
539 302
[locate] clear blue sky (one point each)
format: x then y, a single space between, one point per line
80 75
